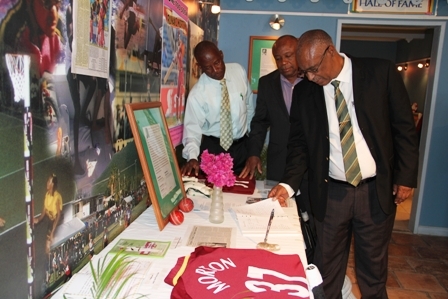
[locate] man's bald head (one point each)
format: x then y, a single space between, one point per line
314 37
317 57
203 47
284 52
284 39
210 59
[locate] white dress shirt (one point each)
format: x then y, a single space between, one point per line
365 159
202 112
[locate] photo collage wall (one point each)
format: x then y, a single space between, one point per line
70 175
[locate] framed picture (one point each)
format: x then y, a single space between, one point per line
261 61
157 157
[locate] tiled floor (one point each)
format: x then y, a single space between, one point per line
402 216
418 264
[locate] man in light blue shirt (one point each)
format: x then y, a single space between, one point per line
202 113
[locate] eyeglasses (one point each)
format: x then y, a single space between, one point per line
315 69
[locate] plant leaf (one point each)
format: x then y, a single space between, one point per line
108 274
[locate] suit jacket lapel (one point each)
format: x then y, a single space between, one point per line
278 93
361 101
320 105
358 77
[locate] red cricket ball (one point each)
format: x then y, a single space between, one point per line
186 205
176 217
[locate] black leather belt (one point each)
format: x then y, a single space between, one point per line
368 180
235 141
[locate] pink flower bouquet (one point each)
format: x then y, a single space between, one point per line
218 169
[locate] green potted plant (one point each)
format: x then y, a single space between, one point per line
109 277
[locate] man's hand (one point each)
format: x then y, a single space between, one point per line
401 193
252 163
192 165
279 193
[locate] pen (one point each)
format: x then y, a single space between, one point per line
269 225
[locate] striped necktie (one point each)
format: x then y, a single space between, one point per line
351 165
226 137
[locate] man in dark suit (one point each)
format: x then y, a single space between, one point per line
272 111
384 142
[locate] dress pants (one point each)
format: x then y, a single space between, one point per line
354 211
238 150
307 224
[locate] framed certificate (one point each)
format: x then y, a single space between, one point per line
157 157
261 61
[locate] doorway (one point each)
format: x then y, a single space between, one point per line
401 42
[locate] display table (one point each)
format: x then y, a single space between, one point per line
153 270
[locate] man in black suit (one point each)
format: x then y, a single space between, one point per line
272 111
386 155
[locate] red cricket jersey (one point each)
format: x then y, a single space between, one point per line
230 273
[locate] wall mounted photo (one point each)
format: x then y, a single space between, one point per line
261 61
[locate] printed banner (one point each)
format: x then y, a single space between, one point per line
393 6
174 64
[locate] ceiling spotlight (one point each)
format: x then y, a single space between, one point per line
399 68
427 63
276 22
405 67
420 65
216 9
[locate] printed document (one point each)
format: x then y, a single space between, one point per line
253 219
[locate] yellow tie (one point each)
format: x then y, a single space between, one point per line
226 138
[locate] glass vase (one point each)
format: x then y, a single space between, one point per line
217 206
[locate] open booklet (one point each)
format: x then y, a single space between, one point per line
253 218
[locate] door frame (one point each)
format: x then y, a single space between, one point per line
430 101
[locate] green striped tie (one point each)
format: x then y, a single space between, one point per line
226 137
351 165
